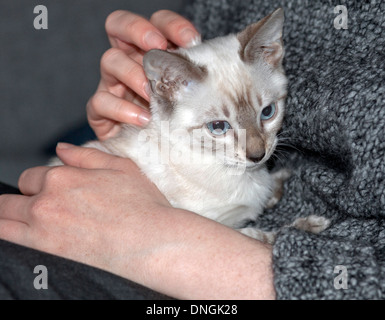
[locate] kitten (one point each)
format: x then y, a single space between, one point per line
216 110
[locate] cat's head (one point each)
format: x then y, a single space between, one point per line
225 87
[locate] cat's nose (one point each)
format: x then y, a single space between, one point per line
257 157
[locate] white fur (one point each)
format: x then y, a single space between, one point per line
213 190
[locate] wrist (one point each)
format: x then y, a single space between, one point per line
202 259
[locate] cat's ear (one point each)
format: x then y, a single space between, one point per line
263 39
170 72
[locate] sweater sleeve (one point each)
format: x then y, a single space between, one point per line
347 266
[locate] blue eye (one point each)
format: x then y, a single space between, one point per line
218 127
268 112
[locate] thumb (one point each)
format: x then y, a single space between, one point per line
88 158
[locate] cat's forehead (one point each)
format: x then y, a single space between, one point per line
233 88
221 57
228 74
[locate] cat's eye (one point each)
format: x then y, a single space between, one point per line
218 127
268 112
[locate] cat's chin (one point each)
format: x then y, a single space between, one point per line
255 166
244 166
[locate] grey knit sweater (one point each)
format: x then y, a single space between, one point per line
336 124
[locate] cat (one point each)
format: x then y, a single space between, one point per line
216 109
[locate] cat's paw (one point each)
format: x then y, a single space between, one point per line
314 224
264 236
279 178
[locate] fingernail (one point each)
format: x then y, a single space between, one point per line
189 37
64 145
144 117
154 39
147 90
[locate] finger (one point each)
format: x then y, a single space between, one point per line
31 180
176 28
117 67
104 105
88 158
13 231
13 208
133 29
133 52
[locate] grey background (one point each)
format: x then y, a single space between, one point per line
47 76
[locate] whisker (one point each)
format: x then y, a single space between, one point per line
286 142
279 157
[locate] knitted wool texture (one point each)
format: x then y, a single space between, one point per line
335 121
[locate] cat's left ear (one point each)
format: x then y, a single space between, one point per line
170 72
263 39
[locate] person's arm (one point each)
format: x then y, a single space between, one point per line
103 212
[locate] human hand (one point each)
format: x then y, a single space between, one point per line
102 211
67 211
121 96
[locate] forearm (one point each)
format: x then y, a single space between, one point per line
134 232
201 259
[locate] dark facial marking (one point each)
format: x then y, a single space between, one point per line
225 111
